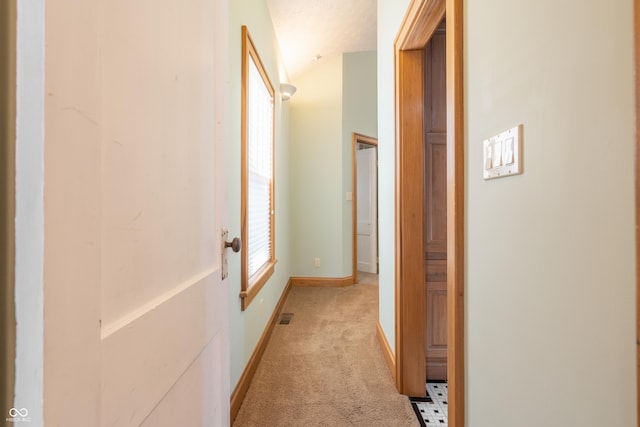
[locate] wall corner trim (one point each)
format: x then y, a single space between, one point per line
239 392
389 357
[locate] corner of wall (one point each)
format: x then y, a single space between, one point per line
390 15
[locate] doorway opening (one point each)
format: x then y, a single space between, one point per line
420 24
364 155
435 206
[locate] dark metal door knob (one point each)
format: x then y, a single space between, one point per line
235 244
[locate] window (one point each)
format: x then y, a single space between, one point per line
258 256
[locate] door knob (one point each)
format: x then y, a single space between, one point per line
235 244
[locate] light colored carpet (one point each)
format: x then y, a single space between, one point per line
326 368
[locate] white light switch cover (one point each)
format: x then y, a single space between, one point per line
503 154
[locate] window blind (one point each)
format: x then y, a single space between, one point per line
260 146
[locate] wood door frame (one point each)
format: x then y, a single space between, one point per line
420 22
7 200
636 25
356 139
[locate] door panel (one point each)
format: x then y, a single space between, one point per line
436 83
436 189
203 375
143 358
437 330
367 221
161 248
435 207
135 307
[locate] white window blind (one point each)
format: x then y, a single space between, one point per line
260 174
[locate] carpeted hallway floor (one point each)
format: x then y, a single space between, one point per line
325 368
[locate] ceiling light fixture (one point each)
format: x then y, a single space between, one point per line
287 90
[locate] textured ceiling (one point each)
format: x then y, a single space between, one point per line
306 28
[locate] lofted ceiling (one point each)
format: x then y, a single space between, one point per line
307 29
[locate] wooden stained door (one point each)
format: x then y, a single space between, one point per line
435 206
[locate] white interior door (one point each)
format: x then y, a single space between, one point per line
135 307
367 212
164 338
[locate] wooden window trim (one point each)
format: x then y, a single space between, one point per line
250 286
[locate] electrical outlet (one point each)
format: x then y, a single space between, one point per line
316 262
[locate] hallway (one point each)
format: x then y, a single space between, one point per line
125 167
325 367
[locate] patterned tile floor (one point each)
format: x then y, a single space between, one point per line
433 409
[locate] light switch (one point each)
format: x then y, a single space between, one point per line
497 153
488 156
507 154
503 154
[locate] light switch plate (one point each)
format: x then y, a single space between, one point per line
502 154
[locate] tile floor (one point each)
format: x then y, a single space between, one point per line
433 409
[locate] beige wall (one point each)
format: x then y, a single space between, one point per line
316 168
360 115
550 253
390 14
334 99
